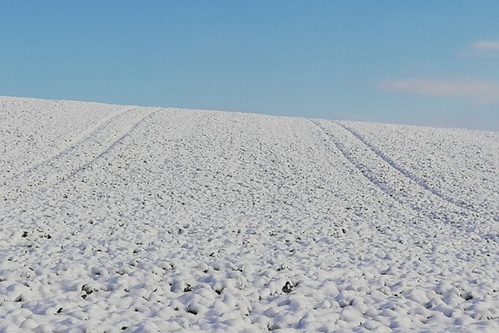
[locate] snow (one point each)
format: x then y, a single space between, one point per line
133 219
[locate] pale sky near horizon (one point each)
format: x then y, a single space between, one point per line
413 62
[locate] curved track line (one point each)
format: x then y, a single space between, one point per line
420 201
403 171
111 146
102 122
76 158
342 149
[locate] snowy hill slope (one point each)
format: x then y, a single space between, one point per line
133 219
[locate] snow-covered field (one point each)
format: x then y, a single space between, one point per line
132 219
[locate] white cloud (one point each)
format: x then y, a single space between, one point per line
482 49
486 45
480 91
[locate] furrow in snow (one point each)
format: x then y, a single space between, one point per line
461 165
85 134
76 157
340 143
393 182
403 171
34 130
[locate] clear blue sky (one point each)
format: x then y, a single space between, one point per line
414 62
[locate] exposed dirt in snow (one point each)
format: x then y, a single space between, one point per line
132 219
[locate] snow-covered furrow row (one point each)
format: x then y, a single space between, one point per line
74 158
397 184
460 165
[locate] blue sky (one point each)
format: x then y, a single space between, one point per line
414 62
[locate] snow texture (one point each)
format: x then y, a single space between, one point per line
133 219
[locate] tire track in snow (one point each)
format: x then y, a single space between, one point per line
364 171
391 181
403 171
75 141
77 157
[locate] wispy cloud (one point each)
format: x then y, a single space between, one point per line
483 49
486 45
479 91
